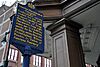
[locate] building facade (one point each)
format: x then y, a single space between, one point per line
65 21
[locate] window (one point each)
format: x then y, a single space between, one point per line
13 53
1 19
21 59
47 62
8 14
37 61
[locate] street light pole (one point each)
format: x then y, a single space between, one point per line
4 40
26 55
6 61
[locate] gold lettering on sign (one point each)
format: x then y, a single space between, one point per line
28 27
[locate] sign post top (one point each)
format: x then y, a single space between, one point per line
31 5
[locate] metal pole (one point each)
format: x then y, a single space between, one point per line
26 60
26 55
6 61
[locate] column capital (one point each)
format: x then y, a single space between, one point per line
64 24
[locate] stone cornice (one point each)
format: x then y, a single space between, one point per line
52 18
67 23
63 7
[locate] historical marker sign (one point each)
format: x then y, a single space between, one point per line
27 29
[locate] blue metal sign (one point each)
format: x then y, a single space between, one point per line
27 30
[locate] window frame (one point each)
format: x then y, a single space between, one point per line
47 62
38 60
11 56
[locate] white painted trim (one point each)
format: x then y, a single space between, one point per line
60 20
63 1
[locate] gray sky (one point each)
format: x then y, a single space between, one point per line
7 2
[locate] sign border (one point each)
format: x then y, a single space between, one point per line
20 45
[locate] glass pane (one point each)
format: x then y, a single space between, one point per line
34 59
21 59
50 63
12 54
9 53
39 61
45 63
16 53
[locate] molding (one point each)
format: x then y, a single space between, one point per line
70 4
61 35
64 24
61 4
64 21
82 9
41 4
47 5
49 18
